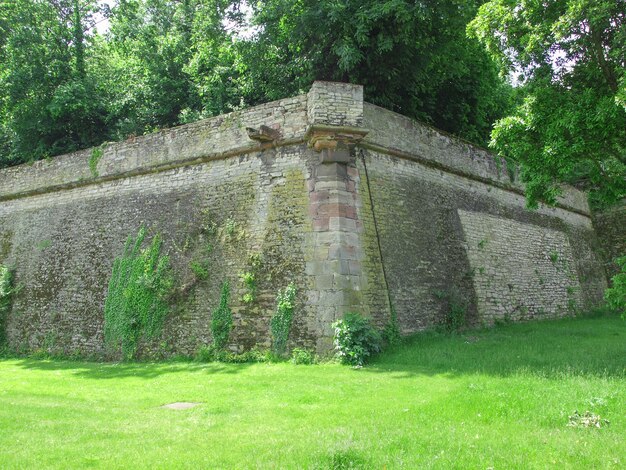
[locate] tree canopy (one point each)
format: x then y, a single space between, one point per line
570 123
411 57
64 86
50 101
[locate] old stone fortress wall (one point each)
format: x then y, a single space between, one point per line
363 209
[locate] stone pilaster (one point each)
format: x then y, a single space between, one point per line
335 114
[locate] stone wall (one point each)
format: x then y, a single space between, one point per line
363 209
454 229
611 228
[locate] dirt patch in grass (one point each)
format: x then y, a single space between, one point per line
181 405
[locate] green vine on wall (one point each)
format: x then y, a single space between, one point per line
94 159
280 323
249 278
222 319
391 333
136 303
6 299
455 314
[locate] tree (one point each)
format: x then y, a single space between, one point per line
167 62
411 57
570 125
49 101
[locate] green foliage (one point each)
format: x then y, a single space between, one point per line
205 354
280 324
455 313
355 339
200 269
64 87
411 57
51 101
554 256
616 294
211 354
169 63
391 334
201 264
94 158
302 356
569 125
136 303
248 279
6 299
222 319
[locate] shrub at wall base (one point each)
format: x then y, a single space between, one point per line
355 339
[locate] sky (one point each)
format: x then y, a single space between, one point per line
102 23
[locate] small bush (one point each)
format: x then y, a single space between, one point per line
355 339
205 354
252 356
302 356
210 354
280 323
455 318
222 319
94 159
616 294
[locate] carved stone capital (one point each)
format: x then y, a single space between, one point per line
334 142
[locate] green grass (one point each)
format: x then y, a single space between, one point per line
492 398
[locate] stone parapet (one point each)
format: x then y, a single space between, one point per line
219 137
401 136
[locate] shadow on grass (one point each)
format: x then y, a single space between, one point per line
143 370
551 349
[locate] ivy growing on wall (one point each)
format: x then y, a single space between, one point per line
391 332
249 278
280 323
6 299
136 303
222 319
94 159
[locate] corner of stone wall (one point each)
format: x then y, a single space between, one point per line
335 126
335 104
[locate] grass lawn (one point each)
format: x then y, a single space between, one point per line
491 398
